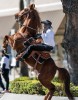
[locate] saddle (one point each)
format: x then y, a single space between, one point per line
44 54
40 57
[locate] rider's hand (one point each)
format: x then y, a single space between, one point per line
39 41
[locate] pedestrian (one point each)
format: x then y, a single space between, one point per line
2 85
47 45
5 62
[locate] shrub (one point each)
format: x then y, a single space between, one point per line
33 86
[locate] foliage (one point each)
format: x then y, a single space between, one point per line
33 86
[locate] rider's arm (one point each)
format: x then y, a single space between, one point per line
34 40
38 38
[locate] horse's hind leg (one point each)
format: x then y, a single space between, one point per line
52 90
46 96
48 85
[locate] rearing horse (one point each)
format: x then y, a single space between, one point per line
46 70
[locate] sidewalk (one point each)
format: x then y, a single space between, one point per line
11 96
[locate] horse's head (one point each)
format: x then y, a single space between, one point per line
30 19
31 25
20 16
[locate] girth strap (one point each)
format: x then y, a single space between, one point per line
36 61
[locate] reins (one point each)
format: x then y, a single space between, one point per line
26 25
29 27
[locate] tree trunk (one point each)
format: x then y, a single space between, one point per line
70 41
21 5
24 69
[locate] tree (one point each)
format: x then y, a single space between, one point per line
70 41
21 5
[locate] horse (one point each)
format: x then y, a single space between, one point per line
47 70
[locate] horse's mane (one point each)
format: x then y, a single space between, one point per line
37 16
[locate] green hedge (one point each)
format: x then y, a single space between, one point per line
33 86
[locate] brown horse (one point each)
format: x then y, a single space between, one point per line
46 70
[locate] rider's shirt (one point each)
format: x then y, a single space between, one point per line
48 38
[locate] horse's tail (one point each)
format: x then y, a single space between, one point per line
65 77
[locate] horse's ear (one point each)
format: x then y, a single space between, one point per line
32 6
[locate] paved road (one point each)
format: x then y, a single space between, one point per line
11 96
1 95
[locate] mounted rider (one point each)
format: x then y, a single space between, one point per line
48 41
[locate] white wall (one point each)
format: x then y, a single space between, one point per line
55 16
8 7
6 23
48 5
45 1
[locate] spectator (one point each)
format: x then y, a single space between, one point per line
1 84
5 68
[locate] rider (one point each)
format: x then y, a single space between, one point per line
48 34
48 41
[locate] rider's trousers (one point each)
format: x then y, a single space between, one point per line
36 47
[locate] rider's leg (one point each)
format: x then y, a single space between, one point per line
36 47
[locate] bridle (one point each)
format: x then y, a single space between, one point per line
30 27
19 19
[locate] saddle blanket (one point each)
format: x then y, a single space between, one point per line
41 58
